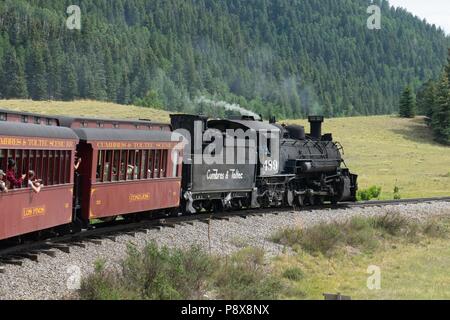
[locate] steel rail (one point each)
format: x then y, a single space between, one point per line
109 230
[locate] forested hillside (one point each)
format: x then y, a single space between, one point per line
282 57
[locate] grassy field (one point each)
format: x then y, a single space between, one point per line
414 271
412 258
411 267
384 150
86 108
389 151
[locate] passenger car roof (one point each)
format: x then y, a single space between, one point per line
94 134
17 129
68 121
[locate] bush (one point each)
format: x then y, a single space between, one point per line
244 277
151 274
293 273
359 232
397 195
369 194
436 229
322 238
393 224
327 237
167 274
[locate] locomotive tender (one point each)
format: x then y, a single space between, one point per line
136 168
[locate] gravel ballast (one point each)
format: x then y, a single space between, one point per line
51 277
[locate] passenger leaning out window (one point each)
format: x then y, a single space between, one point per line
35 184
11 175
3 187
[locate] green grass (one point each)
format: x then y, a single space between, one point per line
413 258
86 108
363 234
388 151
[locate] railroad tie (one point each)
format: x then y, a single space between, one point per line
79 244
97 242
29 256
63 248
112 238
49 253
11 262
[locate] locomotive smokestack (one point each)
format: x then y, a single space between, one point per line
316 126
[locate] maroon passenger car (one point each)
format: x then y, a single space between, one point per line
127 167
36 143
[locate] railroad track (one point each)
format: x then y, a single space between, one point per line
15 255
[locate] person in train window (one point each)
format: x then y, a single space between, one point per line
11 175
3 187
35 184
77 161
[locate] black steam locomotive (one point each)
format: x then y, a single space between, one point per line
279 165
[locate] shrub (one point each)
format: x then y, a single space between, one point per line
293 273
397 195
244 277
322 238
369 194
153 273
436 229
359 233
167 274
288 237
327 237
393 224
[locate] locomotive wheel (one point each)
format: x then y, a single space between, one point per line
334 200
318 200
290 198
264 202
174 212
217 206
300 200
208 206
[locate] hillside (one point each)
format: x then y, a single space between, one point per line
389 151
284 57
86 108
383 150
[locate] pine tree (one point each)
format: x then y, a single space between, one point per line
447 67
426 99
441 113
407 104
13 79
111 85
69 81
36 74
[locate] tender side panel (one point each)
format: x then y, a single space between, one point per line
223 177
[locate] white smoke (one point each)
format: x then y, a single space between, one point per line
226 106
